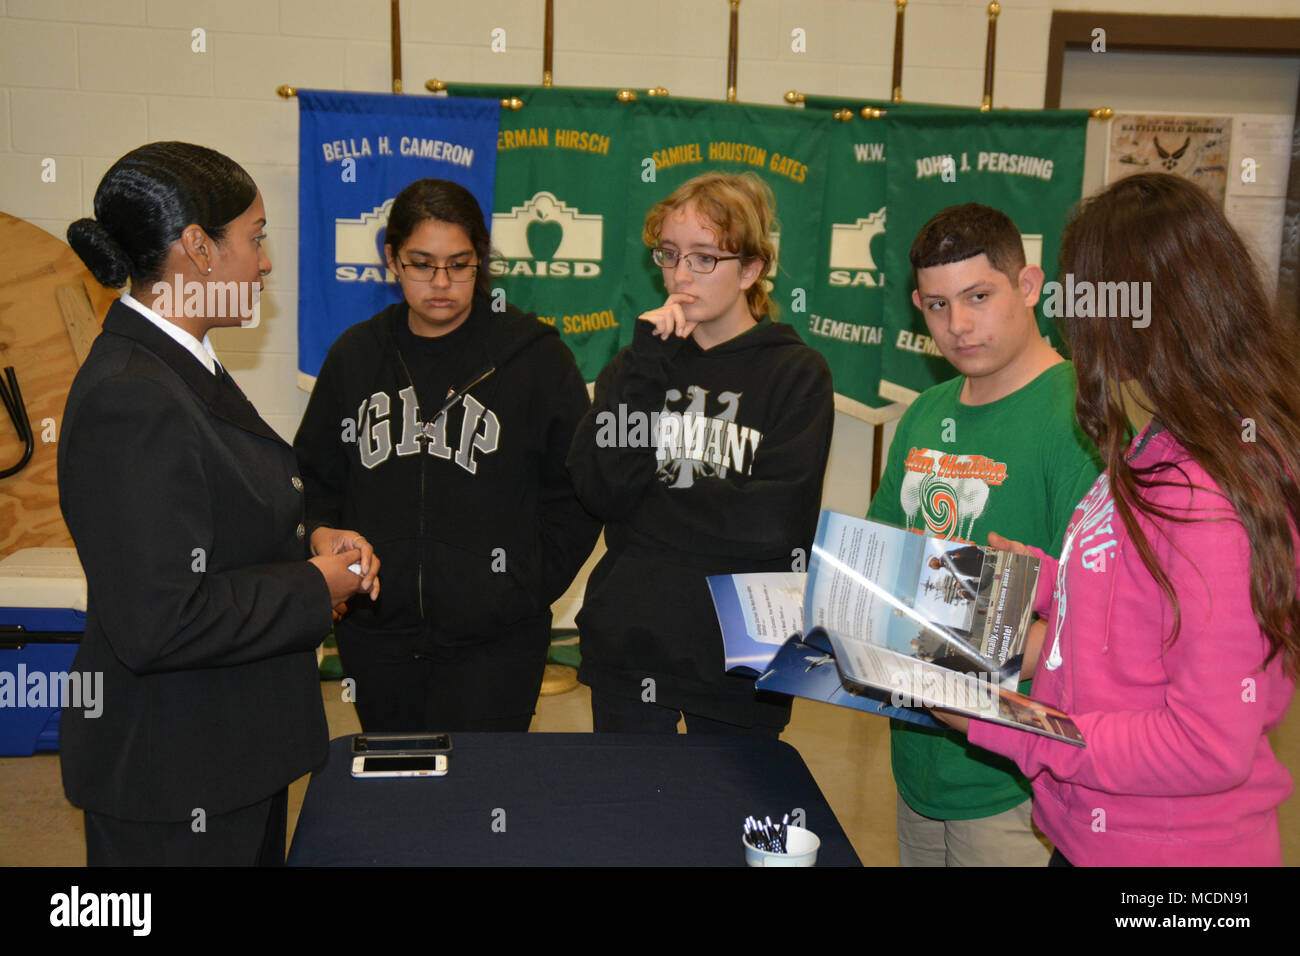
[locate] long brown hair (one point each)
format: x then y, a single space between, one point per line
1216 366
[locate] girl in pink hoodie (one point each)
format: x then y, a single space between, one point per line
1173 622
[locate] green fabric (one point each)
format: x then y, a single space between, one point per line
678 139
1031 465
1027 163
846 302
570 655
559 220
331 667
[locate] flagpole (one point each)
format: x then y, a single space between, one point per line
897 84
733 42
395 43
990 48
548 45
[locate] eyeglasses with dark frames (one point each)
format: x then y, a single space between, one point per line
700 263
425 271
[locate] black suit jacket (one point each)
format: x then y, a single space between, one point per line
202 612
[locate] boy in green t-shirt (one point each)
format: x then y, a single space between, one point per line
995 449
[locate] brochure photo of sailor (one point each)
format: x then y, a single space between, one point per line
948 590
970 572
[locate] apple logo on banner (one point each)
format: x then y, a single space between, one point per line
547 237
544 236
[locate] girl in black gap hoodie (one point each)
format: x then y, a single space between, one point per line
478 522
726 480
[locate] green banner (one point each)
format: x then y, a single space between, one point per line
559 225
846 305
1027 163
677 139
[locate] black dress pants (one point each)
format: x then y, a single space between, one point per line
251 836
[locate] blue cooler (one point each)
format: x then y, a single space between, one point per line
42 619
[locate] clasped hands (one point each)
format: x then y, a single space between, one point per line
333 551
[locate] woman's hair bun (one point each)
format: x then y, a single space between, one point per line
102 254
145 201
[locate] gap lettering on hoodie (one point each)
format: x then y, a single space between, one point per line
480 431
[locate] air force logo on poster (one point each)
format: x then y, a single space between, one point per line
547 237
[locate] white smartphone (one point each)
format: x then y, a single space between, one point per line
400 765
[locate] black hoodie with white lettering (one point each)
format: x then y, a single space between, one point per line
476 524
726 480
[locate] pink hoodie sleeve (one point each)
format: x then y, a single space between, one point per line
1205 737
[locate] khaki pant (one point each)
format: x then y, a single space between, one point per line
1004 839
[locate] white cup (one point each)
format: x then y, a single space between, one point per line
800 850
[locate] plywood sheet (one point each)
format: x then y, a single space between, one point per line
35 340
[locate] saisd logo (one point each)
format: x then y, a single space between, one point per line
359 247
851 261
547 237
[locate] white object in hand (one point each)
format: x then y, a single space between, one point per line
355 567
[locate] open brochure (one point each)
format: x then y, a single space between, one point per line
891 622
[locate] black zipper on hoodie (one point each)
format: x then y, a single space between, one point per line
492 366
422 435
423 453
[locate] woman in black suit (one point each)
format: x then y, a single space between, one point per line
186 509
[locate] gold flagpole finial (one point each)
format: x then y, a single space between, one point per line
794 96
286 91
843 114
512 103
435 86
872 112
1101 112
994 9
657 91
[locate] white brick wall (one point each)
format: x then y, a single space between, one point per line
34 53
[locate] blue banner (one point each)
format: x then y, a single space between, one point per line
356 153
